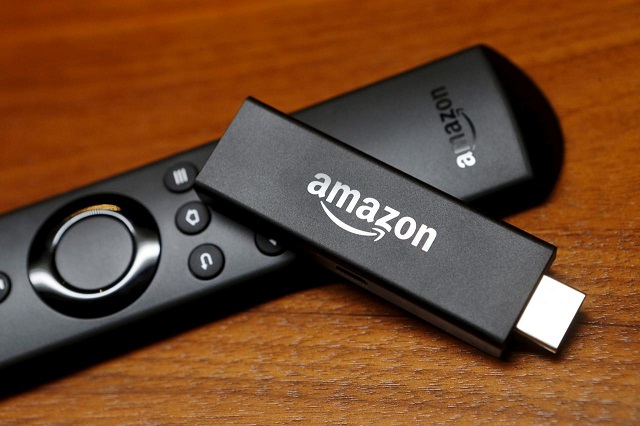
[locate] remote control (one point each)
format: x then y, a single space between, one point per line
119 250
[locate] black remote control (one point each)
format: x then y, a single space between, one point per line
122 249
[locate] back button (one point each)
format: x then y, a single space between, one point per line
206 261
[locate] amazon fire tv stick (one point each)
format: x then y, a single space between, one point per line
404 240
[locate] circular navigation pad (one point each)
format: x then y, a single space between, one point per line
95 256
94 252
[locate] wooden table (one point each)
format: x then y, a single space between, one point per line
91 89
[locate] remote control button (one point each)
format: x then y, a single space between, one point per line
94 252
94 256
5 286
268 246
192 218
180 177
206 261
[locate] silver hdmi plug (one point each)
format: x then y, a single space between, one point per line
549 313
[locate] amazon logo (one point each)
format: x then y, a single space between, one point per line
458 127
377 221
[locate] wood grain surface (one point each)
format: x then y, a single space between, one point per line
91 89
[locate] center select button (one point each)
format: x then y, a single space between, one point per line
94 252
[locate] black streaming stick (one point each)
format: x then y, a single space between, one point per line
404 240
136 244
